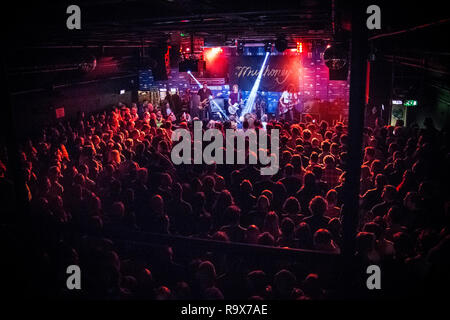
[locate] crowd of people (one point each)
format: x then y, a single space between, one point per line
112 170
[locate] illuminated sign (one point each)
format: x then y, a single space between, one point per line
410 103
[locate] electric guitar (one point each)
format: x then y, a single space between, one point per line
204 104
233 108
286 107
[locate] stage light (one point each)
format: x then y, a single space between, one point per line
268 47
240 48
252 96
212 53
299 47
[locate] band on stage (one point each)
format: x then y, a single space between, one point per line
201 105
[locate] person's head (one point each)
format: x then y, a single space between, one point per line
334 149
315 142
263 203
369 153
296 161
291 206
311 286
208 183
114 156
166 180
318 206
268 194
205 85
220 236
323 240
252 233
411 201
304 236
389 193
283 284
310 180
314 158
365 242
157 203
257 283
206 274
235 88
142 175
365 172
380 181
271 223
288 170
331 198
374 228
376 167
328 161
224 199
287 228
325 146
335 226
246 187
232 215
403 245
266 239
117 210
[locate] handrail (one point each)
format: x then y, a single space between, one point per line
147 238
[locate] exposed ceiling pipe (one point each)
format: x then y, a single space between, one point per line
419 63
423 26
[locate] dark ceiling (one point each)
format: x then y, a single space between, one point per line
137 21
128 22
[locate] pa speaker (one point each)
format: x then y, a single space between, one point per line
191 65
188 65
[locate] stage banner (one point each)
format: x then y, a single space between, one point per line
279 72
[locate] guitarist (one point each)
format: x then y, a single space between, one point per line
235 99
286 104
205 94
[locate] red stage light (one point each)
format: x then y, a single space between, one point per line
212 53
299 47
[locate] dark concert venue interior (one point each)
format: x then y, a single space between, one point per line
225 150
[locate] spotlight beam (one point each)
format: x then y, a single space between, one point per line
210 99
252 96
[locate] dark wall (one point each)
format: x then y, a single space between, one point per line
43 79
34 110
435 104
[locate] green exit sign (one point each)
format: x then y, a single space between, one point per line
410 103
